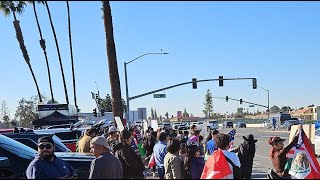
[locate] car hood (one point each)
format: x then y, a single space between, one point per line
69 156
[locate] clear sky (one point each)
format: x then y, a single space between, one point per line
276 42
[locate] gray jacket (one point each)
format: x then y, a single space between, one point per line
173 166
106 166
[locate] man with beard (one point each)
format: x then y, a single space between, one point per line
46 165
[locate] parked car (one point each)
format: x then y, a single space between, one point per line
68 137
240 124
175 125
166 125
199 124
280 117
5 172
213 124
21 155
317 142
317 124
31 139
227 124
288 123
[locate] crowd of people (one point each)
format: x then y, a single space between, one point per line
132 154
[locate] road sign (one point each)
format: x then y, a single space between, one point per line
159 95
251 105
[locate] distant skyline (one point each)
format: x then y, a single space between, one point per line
275 42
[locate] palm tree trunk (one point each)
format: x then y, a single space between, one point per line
24 51
43 46
71 54
59 56
117 108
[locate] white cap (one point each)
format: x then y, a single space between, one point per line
99 140
113 129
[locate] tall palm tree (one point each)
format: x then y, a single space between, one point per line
71 55
14 7
58 51
43 44
117 106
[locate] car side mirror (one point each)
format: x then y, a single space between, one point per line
4 162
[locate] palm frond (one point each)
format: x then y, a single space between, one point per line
20 6
5 8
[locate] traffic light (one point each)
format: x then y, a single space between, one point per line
102 111
254 83
220 81
240 101
227 98
194 83
95 112
97 96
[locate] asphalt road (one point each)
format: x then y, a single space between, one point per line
261 162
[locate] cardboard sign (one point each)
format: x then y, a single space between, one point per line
309 129
119 124
154 124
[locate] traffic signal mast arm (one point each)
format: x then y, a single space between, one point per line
190 82
242 101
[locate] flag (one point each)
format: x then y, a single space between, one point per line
216 166
301 159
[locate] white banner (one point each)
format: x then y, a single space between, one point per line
154 124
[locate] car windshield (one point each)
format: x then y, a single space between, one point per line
17 148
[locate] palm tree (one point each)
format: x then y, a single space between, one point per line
43 44
117 106
14 7
58 50
71 54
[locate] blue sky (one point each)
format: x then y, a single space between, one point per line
276 42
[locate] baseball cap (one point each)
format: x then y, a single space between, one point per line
99 140
45 139
113 129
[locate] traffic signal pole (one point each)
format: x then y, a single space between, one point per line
181 84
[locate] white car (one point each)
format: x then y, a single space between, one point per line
199 124
317 142
213 124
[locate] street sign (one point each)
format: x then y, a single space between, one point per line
251 105
159 95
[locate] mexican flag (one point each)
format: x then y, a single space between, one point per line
216 166
301 160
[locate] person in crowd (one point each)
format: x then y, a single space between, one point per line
193 163
183 150
105 132
84 142
148 143
46 165
173 164
105 165
278 153
193 128
185 137
113 135
274 123
211 145
134 142
226 162
180 135
160 150
246 152
194 137
153 133
16 130
201 146
132 164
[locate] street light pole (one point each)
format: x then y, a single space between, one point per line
126 82
268 100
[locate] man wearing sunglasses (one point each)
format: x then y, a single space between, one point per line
46 165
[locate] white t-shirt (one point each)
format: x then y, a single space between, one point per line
234 158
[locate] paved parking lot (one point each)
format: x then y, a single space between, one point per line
261 161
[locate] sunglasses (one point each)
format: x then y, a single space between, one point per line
47 146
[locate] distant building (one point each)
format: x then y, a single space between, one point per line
307 113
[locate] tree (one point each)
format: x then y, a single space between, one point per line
167 115
14 7
285 109
58 51
239 113
274 109
4 114
13 123
71 56
185 114
117 107
106 103
155 114
42 43
26 112
208 107
152 113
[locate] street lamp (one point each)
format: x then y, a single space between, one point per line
126 80
268 99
